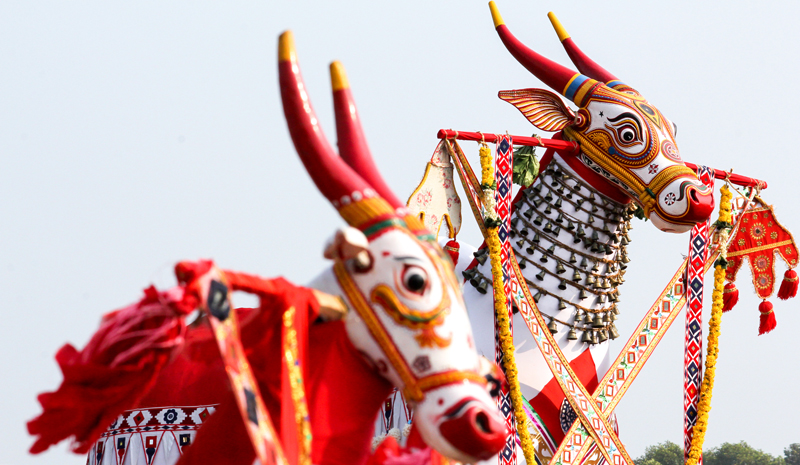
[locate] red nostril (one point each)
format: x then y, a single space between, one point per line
700 206
474 432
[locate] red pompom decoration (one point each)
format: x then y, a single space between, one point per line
452 247
730 297
788 286
767 321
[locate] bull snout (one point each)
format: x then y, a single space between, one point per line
701 204
474 430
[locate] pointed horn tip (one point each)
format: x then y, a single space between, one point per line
562 33
498 20
286 50
338 77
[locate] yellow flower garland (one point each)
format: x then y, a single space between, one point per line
704 405
501 311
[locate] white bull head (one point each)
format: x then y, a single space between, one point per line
407 314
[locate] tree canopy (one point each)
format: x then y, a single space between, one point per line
669 453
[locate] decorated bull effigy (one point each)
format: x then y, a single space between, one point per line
183 376
556 252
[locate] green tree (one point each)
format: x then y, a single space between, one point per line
739 454
792 454
666 453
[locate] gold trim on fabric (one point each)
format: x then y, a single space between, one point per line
290 352
758 249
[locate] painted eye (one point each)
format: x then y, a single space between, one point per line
627 134
415 279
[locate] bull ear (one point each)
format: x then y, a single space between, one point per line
544 109
347 243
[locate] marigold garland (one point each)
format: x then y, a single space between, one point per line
704 404
501 308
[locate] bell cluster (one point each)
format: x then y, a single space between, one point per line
596 248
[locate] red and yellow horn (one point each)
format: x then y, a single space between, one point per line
574 86
355 198
581 61
353 146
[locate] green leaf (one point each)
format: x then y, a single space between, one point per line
526 165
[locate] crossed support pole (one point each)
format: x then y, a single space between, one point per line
592 409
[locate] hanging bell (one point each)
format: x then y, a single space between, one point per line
624 240
580 202
537 187
576 276
594 208
614 239
595 236
556 230
562 305
482 258
467 274
563 285
549 197
522 263
537 202
583 294
520 243
591 219
560 190
552 249
524 231
575 238
558 201
606 229
529 250
540 275
570 225
548 228
530 193
613 298
572 258
584 263
552 326
569 195
538 221
483 287
560 218
528 213
587 337
587 319
613 333
607 317
580 232
625 259
535 239
596 266
594 337
577 187
571 336
476 280
560 268
537 296
590 280
548 209
602 336
591 196
514 222
519 204
543 258
587 242
601 299
611 317
597 322
615 310
607 248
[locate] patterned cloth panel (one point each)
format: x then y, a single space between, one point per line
152 436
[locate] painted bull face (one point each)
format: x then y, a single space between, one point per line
622 136
408 317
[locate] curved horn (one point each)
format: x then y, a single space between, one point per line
584 64
353 146
334 179
572 85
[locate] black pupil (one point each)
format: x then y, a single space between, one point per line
416 282
627 136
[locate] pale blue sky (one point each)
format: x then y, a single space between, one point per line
136 134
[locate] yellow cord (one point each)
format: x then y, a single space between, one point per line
704 405
501 314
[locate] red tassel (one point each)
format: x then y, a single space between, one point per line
452 247
788 286
115 369
730 297
767 322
